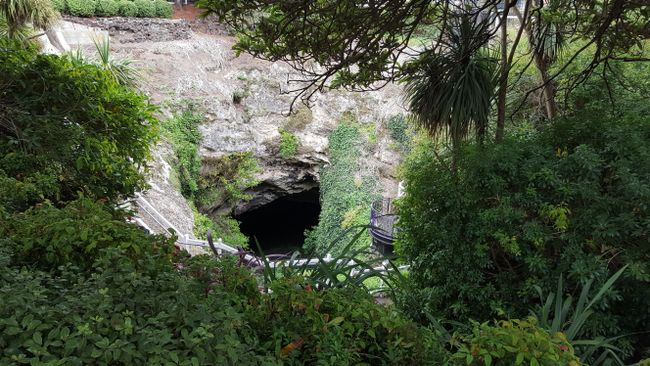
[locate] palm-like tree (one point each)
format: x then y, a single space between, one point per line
451 87
16 15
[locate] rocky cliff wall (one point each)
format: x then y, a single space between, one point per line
245 105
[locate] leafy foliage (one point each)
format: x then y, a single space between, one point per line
120 69
288 144
96 145
557 314
16 15
224 227
163 9
128 8
339 326
515 342
60 5
400 132
226 178
110 8
569 199
107 8
202 311
50 237
182 130
450 90
81 8
146 8
346 194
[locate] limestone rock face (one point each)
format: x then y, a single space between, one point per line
245 104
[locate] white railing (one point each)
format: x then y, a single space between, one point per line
222 248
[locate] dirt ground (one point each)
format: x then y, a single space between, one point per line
188 12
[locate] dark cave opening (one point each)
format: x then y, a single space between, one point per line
280 226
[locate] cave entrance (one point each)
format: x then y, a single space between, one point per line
280 225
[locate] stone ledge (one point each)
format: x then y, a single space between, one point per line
132 30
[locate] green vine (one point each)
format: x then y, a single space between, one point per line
346 194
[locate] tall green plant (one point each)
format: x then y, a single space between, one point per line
122 70
350 267
558 314
15 15
450 90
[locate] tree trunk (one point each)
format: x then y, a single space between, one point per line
542 65
503 79
55 40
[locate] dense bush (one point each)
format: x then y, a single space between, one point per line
339 327
222 226
110 8
128 8
50 237
146 8
107 8
163 9
399 132
572 199
204 312
81 8
96 145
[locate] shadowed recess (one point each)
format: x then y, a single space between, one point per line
280 225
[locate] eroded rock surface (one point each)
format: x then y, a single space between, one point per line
245 105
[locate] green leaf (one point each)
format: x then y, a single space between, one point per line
336 321
37 338
519 359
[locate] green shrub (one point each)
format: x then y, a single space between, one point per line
203 311
49 237
164 9
124 315
223 227
81 8
399 132
146 8
107 8
514 342
339 327
97 145
60 5
481 236
128 9
288 144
